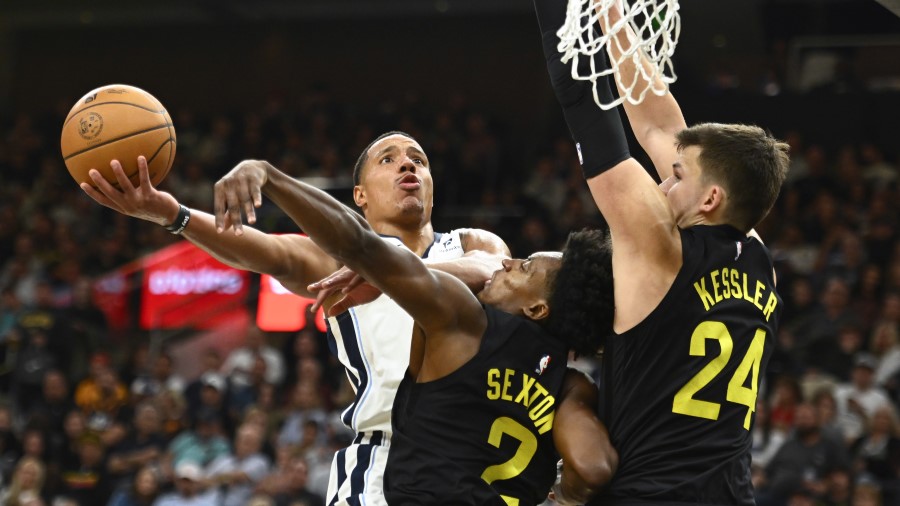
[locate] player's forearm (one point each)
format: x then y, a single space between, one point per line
473 269
248 252
335 228
655 120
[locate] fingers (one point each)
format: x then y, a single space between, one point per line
353 283
144 173
96 195
121 178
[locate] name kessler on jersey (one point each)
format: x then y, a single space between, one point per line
509 385
730 283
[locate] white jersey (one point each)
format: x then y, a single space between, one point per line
372 341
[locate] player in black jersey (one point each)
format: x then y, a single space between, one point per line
696 306
490 398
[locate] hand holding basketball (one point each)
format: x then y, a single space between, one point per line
144 201
118 122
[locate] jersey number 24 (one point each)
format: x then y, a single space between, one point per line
685 403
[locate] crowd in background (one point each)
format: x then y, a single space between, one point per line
91 416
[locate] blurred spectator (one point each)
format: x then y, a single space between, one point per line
305 406
858 400
50 408
803 462
287 484
239 364
88 482
142 491
234 476
190 489
34 361
26 486
201 445
877 453
211 361
102 398
143 446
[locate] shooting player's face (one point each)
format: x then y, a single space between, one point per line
521 286
395 181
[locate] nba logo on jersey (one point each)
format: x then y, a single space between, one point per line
542 365
580 158
740 248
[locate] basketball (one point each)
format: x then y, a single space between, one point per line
118 122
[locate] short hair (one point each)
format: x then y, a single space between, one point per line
747 161
581 301
364 156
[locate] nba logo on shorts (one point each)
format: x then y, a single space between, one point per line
580 158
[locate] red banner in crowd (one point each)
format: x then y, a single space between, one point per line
283 311
183 286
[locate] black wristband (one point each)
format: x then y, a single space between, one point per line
181 220
598 134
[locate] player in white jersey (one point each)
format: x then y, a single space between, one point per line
395 193
373 341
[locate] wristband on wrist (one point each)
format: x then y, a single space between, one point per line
181 220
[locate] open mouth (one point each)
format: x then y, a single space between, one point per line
410 182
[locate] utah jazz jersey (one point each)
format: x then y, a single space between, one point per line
482 434
684 381
372 342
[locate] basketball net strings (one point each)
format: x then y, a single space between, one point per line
653 28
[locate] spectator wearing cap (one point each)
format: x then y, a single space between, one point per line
211 361
239 364
190 488
202 444
858 400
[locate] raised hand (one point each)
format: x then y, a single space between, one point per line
239 190
144 202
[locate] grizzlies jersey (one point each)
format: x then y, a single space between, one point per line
372 342
482 434
683 383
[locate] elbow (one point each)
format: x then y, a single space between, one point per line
598 473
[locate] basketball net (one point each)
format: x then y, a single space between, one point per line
652 29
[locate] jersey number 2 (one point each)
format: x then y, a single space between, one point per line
686 404
517 463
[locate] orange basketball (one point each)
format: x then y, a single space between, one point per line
118 122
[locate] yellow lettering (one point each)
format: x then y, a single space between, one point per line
746 292
725 285
545 404
715 285
506 382
759 288
770 305
735 286
527 382
545 424
540 391
705 297
493 392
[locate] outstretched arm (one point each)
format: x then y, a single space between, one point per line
655 120
293 260
646 240
440 303
589 460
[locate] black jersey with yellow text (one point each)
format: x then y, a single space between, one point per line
683 383
482 434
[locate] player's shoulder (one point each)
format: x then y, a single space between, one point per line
476 239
